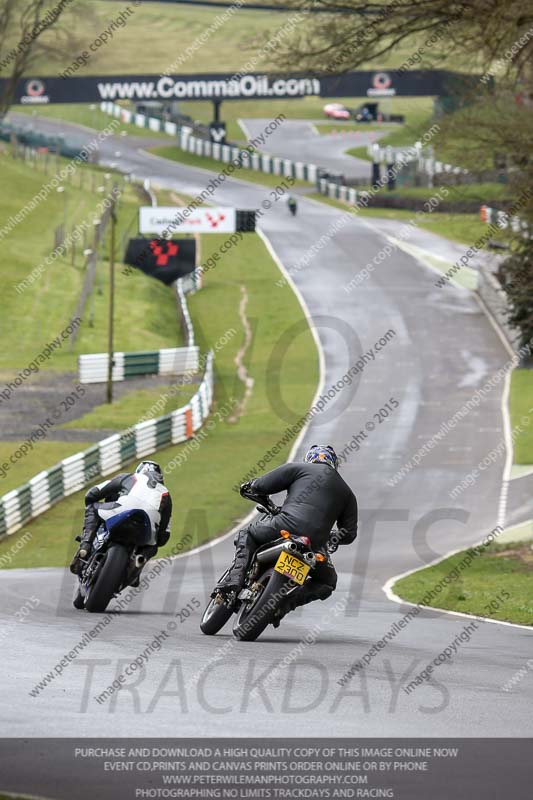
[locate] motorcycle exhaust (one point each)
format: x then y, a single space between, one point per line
270 555
140 561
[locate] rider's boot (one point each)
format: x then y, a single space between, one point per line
234 578
82 552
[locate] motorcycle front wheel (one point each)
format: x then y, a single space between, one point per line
215 615
79 600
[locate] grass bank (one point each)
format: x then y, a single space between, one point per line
498 583
39 313
463 228
205 504
521 408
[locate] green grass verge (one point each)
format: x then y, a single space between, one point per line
361 152
479 192
128 410
204 162
44 455
205 504
36 315
521 407
12 797
501 573
462 228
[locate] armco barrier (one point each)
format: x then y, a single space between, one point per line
92 368
424 158
260 162
337 191
75 472
495 216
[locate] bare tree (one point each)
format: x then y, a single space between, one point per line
356 32
23 28
493 116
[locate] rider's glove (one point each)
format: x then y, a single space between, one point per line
264 510
335 539
246 488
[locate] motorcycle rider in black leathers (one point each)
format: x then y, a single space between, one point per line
317 497
142 489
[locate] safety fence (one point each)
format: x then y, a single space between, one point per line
338 191
495 216
26 135
100 226
422 158
75 472
93 368
260 162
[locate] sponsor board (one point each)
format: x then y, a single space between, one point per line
164 259
381 86
167 219
228 86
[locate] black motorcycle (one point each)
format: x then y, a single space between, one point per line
293 208
115 561
278 568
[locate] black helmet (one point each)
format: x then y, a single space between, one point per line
150 468
322 454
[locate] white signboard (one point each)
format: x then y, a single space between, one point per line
168 220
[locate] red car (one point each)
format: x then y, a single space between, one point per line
337 111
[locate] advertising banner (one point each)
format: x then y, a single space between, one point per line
164 259
167 219
41 90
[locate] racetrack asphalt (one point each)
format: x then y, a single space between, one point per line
442 351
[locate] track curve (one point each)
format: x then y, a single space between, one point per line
442 350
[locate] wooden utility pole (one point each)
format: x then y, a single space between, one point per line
111 301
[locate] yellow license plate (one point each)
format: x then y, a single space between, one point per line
292 567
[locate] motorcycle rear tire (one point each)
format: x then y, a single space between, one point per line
252 620
109 580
